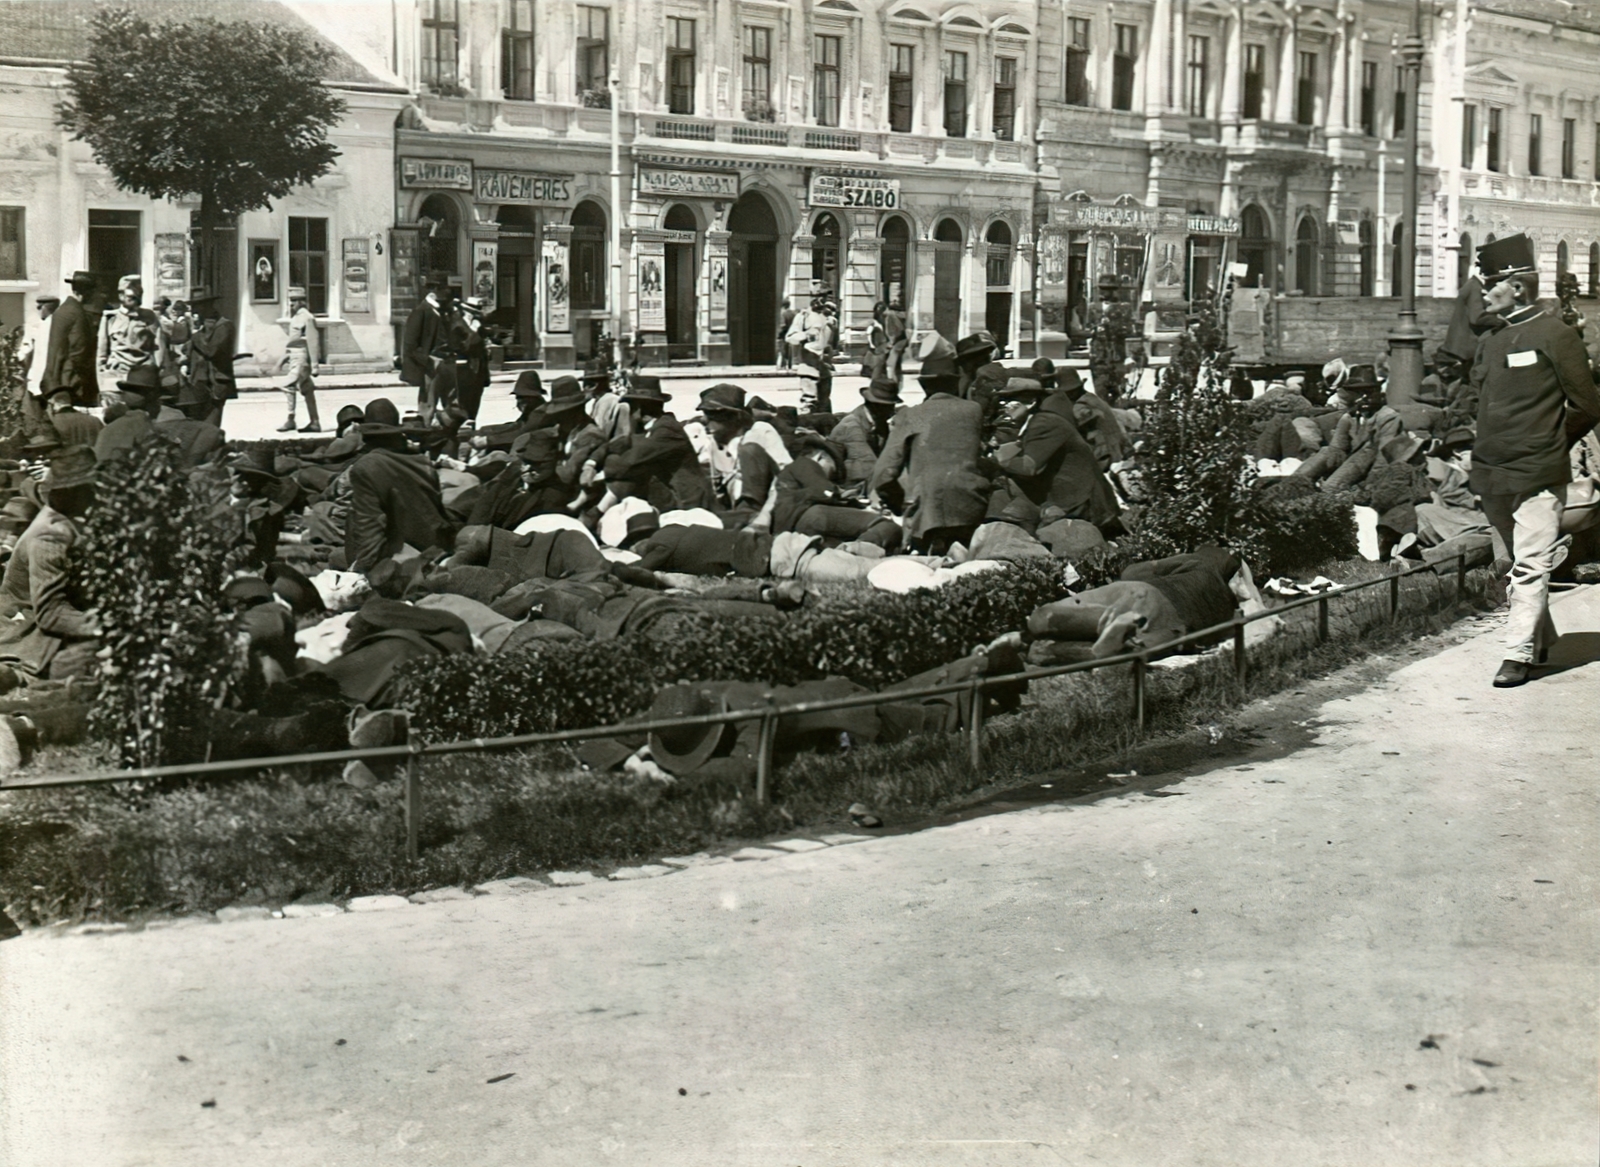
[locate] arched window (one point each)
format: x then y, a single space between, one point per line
948 231
1305 257
1464 261
1397 264
588 285
896 236
680 218
998 267
441 221
1368 258
1563 257
948 238
825 251
1255 247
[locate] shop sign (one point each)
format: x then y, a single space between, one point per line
529 187
557 297
355 287
843 190
1086 216
717 184
652 257
1213 225
435 174
678 236
1349 231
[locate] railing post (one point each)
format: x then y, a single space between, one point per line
765 742
1394 595
1240 664
413 798
1322 619
1139 664
976 700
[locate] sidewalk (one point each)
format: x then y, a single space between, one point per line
391 378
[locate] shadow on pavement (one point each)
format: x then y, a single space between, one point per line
1572 651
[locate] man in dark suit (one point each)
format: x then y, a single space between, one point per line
70 361
395 498
657 462
1050 463
426 359
211 383
1536 399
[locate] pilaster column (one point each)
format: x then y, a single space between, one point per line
1288 61
1339 97
1232 69
1178 56
1156 60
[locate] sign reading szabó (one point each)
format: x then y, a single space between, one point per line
435 174
841 190
529 187
705 183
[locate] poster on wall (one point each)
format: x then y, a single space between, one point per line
405 273
263 271
557 288
718 261
357 286
171 280
652 285
485 262
1052 266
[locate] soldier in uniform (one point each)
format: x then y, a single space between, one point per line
129 336
301 356
1536 399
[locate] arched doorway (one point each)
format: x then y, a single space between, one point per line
997 282
441 221
753 280
517 287
825 252
1464 261
587 282
682 266
893 261
1255 247
1397 265
1305 257
947 242
1368 273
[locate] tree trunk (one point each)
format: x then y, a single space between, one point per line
208 242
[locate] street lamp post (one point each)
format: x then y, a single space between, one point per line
614 288
1405 342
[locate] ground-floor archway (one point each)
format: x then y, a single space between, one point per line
682 267
948 240
752 280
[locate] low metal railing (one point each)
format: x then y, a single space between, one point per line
972 690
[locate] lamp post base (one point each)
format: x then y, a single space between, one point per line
1405 364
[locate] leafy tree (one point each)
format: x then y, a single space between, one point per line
232 113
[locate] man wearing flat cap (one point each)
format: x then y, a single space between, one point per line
1536 400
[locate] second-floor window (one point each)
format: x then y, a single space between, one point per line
308 261
825 81
1569 148
901 63
13 252
1399 105
1195 76
594 56
516 50
1122 63
1492 159
955 94
680 65
1305 95
1255 80
757 73
1469 136
1535 143
1077 60
440 30
1005 98
1369 98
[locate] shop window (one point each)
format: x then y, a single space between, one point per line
1196 70
1077 60
13 251
441 229
440 34
1305 95
680 65
1569 148
901 63
1369 98
825 252
997 268
308 261
1305 258
1122 66
825 81
516 50
1255 80
892 262
1005 98
1469 136
955 94
1492 156
1535 144
588 257
1368 271
757 95
594 56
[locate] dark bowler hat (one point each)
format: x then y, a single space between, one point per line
1045 370
347 414
979 344
939 375
723 398
1361 377
1511 256
381 418
881 391
71 466
142 381
81 277
537 447
641 526
292 586
1017 388
528 387
565 394
645 388
1069 379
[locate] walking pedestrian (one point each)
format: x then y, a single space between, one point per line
1536 400
300 358
70 361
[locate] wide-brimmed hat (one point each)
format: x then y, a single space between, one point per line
141 381
294 588
1069 379
685 749
1361 377
881 391
537 447
381 418
939 374
528 387
1045 370
979 344
644 388
565 394
723 398
42 441
1018 388
1401 449
71 466
201 295
1512 256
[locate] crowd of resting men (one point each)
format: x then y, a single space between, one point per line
598 513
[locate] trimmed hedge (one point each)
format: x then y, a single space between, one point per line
873 639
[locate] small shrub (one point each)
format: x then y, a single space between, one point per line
12 421
1297 533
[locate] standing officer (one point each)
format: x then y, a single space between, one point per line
301 356
1536 400
129 335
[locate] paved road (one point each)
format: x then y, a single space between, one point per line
1376 950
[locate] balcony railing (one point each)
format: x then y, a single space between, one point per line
753 135
823 140
685 130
